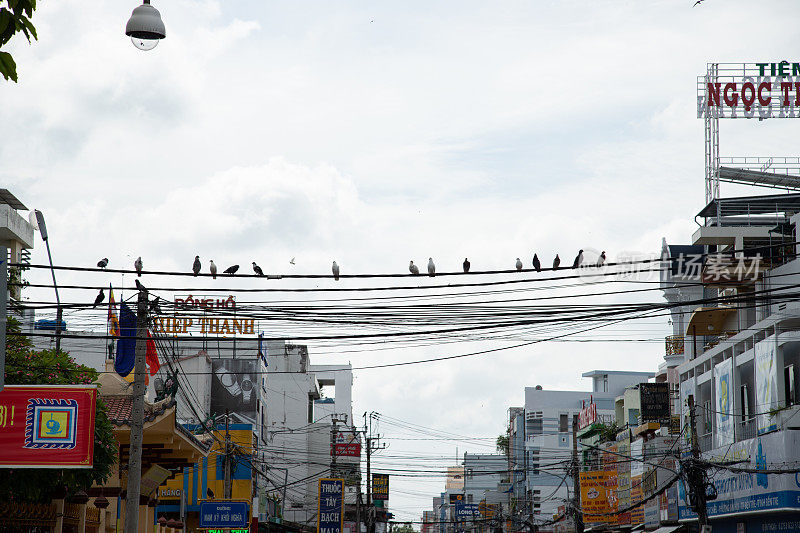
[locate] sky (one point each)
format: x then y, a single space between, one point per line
375 133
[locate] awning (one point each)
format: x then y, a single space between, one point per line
709 320
669 529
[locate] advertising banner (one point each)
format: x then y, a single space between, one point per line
752 492
467 511
380 486
654 400
597 495
723 382
687 389
330 511
766 383
347 445
637 473
234 388
623 481
47 426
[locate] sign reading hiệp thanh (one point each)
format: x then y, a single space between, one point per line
206 316
750 90
48 426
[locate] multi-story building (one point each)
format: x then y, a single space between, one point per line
548 427
736 325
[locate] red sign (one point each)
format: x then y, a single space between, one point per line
588 415
349 449
47 426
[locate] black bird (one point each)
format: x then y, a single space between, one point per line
102 263
139 286
210 494
231 270
466 265
257 269
556 262
536 263
155 308
100 297
698 2
578 259
196 266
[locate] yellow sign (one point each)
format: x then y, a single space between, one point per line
598 498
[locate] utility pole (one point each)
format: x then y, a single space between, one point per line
696 474
137 419
576 480
334 430
227 494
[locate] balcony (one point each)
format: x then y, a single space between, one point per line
674 345
706 442
746 430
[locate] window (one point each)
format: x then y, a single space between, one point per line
745 406
575 420
469 473
469 498
563 420
788 384
605 383
709 416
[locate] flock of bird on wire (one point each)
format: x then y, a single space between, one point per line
412 268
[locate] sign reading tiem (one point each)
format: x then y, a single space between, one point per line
750 90
47 426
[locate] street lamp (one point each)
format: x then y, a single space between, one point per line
43 231
145 27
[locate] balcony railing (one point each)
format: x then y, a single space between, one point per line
746 430
706 442
674 344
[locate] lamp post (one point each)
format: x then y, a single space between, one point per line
145 27
43 231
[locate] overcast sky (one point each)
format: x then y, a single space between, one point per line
377 132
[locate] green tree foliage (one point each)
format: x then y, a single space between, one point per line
26 366
15 17
403 528
502 444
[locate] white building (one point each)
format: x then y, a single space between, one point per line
549 417
741 355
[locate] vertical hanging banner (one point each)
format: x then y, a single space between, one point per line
3 312
723 381
330 507
47 426
380 486
766 383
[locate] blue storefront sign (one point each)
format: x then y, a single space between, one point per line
467 511
224 515
330 513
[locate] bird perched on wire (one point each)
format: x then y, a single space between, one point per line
335 270
138 265
519 264
197 266
100 297
155 308
536 263
602 259
231 270
556 262
414 269
102 263
431 267
257 269
578 259
466 265
213 268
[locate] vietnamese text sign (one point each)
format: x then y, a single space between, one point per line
750 90
596 486
380 486
654 398
467 511
224 515
587 415
47 426
456 497
330 512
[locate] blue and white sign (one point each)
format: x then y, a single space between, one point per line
723 380
331 506
467 511
224 515
747 492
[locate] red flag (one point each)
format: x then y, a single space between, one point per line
152 356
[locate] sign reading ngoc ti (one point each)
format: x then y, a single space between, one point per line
749 90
